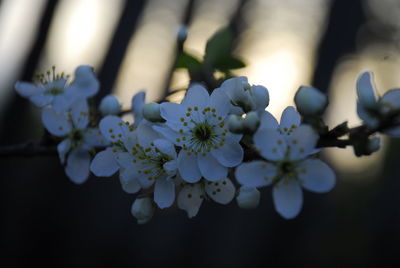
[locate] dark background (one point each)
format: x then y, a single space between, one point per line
47 220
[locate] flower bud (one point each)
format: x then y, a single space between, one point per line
248 197
366 92
251 122
151 112
260 97
143 209
235 124
310 101
109 105
182 33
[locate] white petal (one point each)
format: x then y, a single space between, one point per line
316 176
41 100
255 173
288 198
93 138
210 168
63 102
63 148
172 112
78 163
190 199
85 83
221 191
113 128
27 89
290 117
267 121
104 164
164 193
187 166
80 114
270 143
171 167
196 95
123 159
302 142
230 154
366 90
138 102
146 135
391 99
220 101
169 134
56 123
369 119
130 186
165 147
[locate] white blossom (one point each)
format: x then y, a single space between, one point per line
151 112
288 166
53 90
243 95
79 139
372 109
198 126
191 195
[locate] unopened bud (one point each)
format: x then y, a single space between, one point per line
151 112
109 105
143 209
248 197
251 122
235 124
260 97
310 101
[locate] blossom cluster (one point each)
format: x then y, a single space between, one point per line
216 145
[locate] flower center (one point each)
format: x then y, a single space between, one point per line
203 131
54 91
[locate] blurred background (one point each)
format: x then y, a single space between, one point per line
47 220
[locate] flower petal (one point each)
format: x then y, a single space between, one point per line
220 101
260 96
196 95
129 186
210 168
369 119
104 164
316 176
187 166
172 112
93 138
164 193
366 90
302 142
255 173
146 135
270 143
267 121
78 163
63 148
80 114
171 135
230 154
113 128
165 147
27 89
391 100
221 191
56 123
41 100
190 198
290 119
137 103
288 198
85 83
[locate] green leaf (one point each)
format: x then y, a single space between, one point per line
187 61
218 46
229 63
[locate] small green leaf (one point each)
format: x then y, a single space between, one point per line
229 63
218 46
187 61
